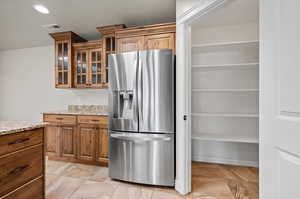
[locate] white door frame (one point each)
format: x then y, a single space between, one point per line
183 91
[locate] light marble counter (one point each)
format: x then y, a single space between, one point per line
9 127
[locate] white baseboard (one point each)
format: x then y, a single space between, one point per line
224 161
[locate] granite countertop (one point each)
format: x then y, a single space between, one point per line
9 127
67 112
98 110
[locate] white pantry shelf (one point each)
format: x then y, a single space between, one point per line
225 90
251 43
225 66
246 115
224 138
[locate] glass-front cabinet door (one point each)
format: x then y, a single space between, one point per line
109 46
62 65
81 71
96 72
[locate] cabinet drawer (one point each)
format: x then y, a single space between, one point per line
98 120
60 119
13 142
20 167
33 189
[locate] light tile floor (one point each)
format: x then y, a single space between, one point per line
210 181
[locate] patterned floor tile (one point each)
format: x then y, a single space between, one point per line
63 187
94 190
209 181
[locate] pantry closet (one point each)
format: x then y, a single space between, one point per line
224 106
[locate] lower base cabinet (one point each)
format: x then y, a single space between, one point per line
52 133
68 141
22 165
103 146
82 139
33 189
87 143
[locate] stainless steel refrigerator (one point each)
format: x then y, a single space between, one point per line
141 117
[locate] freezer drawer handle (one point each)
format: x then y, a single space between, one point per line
129 138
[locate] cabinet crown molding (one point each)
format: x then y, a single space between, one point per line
87 45
68 35
146 30
111 29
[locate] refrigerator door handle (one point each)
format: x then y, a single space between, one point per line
140 89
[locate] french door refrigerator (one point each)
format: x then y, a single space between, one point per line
141 117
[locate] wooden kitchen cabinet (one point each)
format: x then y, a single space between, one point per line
88 63
62 66
96 71
130 44
81 64
159 36
33 189
52 139
103 141
160 41
64 58
68 141
87 142
109 46
20 168
77 138
22 165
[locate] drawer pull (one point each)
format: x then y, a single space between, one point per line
95 120
18 170
18 141
59 118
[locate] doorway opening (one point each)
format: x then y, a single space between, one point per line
224 99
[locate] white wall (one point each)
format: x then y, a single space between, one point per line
27 86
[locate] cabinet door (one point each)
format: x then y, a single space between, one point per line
130 44
68 141
52 140
96 71
161 41
109 47
81 64
87 143
62 64
103 145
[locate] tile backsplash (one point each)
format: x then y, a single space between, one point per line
87 108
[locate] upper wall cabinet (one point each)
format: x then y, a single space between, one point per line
160 36
89 69
130 44
160 41
109 46
63 58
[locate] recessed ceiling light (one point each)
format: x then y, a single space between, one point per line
41 9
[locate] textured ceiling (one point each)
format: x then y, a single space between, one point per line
21 25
